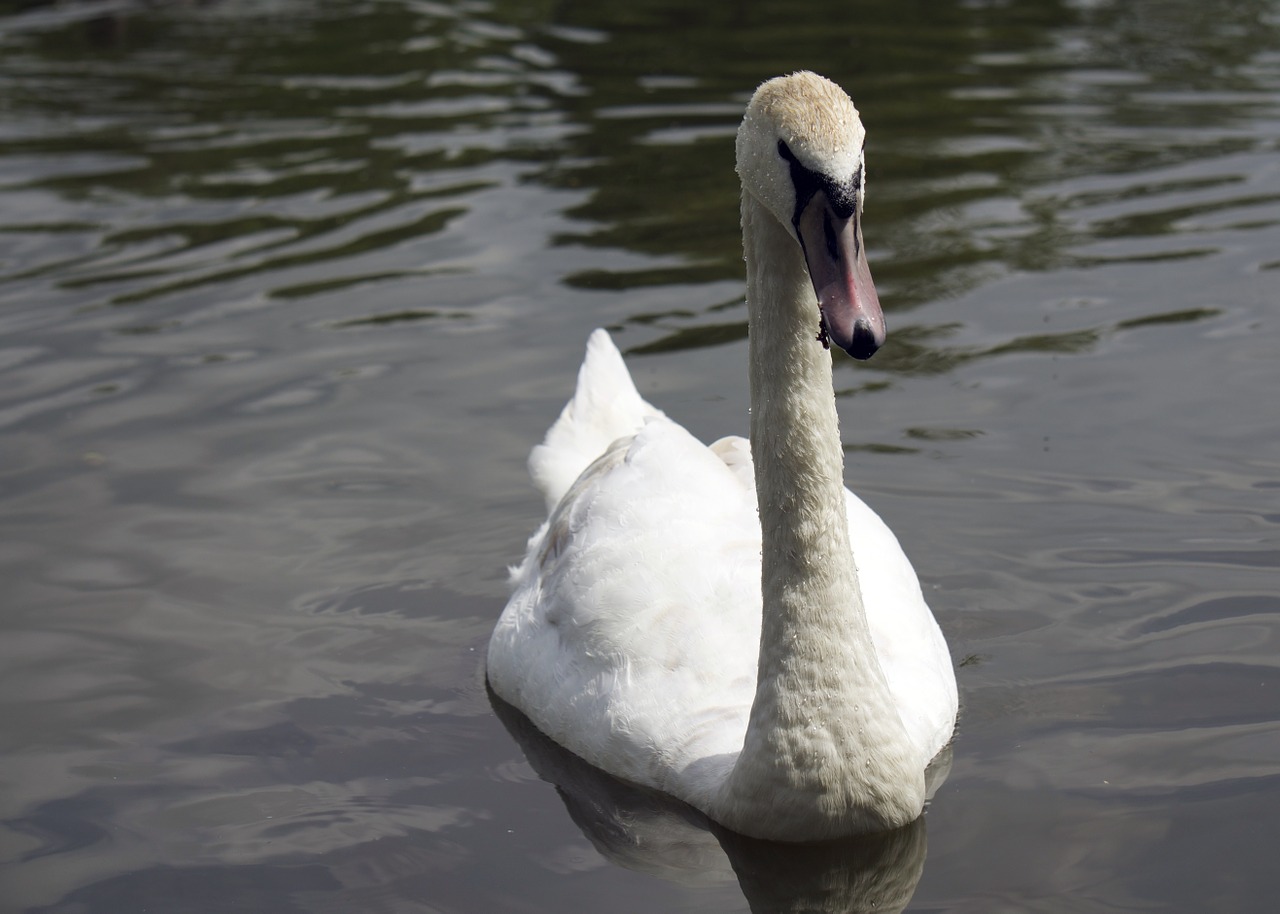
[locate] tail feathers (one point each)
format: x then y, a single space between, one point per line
605 407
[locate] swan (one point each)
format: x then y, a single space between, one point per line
743 634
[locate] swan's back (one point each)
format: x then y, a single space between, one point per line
632 634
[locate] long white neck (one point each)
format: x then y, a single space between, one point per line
825 751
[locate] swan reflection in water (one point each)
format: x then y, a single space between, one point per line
652 833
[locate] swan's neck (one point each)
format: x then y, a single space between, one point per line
825 747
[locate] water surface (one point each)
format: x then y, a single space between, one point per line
288 290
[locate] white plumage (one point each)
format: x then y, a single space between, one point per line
634 634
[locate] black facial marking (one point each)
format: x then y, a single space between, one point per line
829 233
842 196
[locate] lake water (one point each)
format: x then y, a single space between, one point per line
288 290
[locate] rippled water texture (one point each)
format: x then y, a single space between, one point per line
287 291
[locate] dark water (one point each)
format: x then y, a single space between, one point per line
287 291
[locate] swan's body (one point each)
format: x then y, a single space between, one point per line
675 628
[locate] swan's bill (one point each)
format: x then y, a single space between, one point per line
837 260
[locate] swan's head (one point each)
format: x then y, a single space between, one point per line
800 154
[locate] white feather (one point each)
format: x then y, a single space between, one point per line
605 407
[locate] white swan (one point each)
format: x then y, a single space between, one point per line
796 698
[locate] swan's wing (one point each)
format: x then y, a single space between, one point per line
605 407
912 651
736 454
633 633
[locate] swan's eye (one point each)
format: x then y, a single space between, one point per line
805 182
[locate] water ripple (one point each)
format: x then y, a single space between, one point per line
287 290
